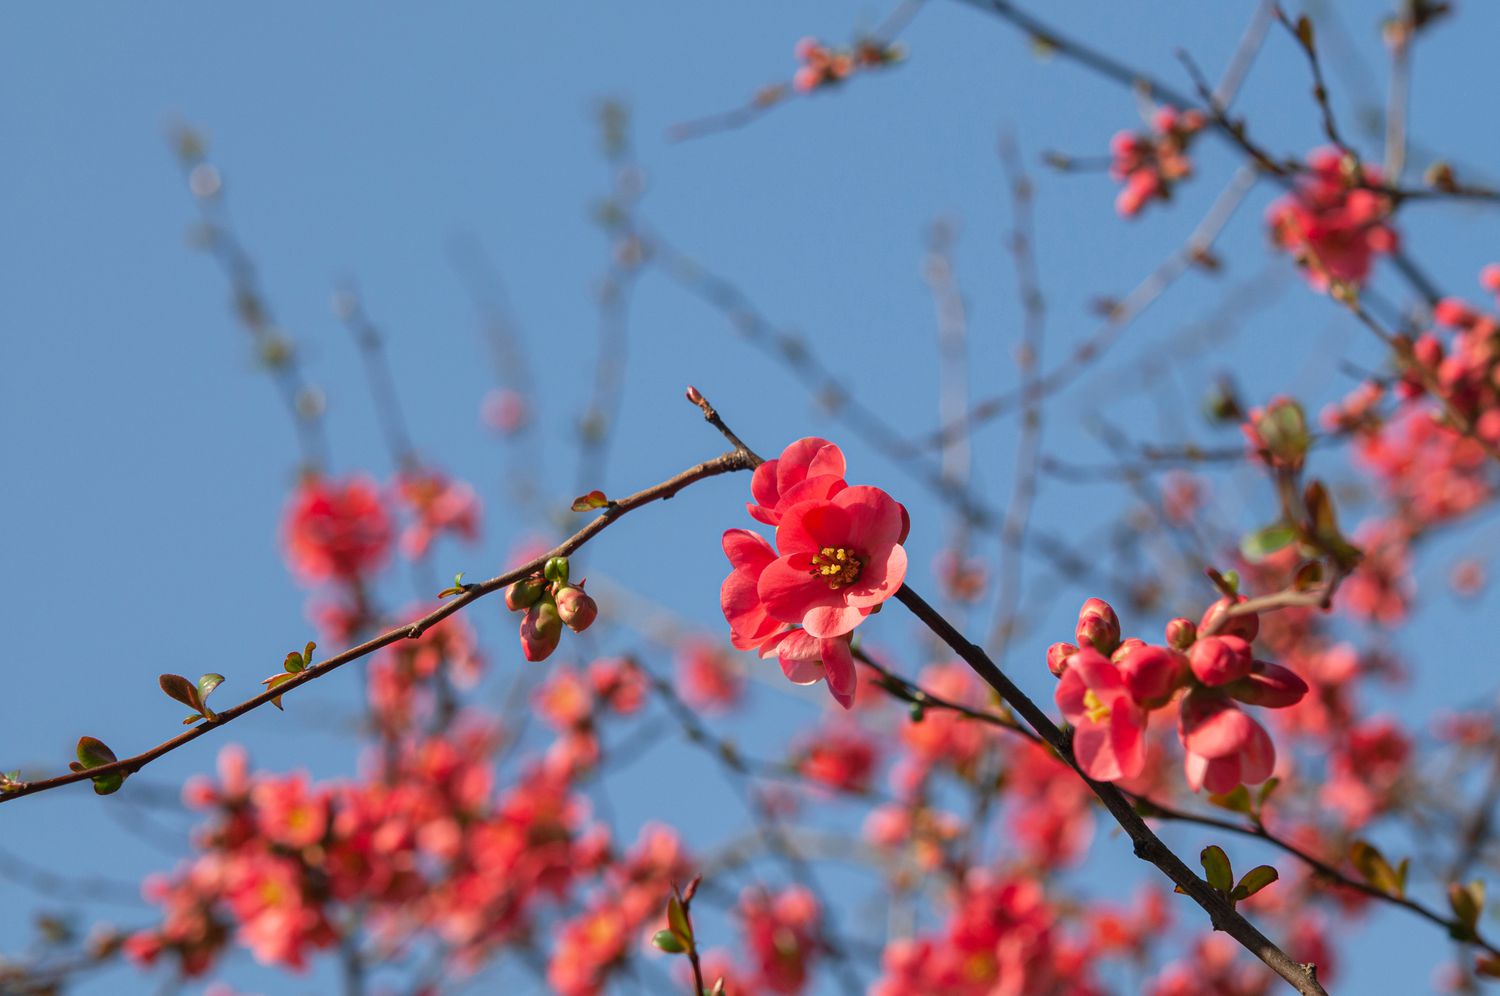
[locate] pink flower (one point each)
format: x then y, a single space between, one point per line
1225 747
1110 737
809 468
438 505
750 625
840 558
1334 228
336 530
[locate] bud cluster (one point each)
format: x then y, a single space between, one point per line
550 603
1108 688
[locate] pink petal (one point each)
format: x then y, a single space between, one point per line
747 550
1095 751
838 664
1213 727
812 525
878 581
874 518
763 484
802 672
1069 696
1258 759
829 621
1127 733
828 460
789 592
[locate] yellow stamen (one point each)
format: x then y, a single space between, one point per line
1095 710
839 566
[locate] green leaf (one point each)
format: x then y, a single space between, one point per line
1259 545
294 663
108 784
1377 870
94 753
1236 801
1468 903
1232 579
179 688
276 681
1265 792
677 918
1254 880
206 685
665 940
1216 868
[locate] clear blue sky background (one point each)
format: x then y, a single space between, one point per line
148 460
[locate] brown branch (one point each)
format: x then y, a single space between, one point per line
1148 847
736 460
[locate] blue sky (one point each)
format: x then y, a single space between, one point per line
149 459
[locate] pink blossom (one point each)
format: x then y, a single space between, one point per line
1225 747
1110 737
840 558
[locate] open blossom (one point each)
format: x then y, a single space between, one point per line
840 558
1225 747
1334 227
336 530
1110 737
438 505
782 937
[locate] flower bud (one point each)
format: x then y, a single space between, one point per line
1218 660
541 630
1152 674
1057 657
1105 629
1214 622
556 571
1269 685
1125 648
524 593
576 609
1181 633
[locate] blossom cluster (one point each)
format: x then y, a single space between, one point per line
838 557
1108 689
1332 222
1150 163
823 66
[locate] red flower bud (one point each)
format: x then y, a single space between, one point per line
1098 626
524 593
576 609
541 630
1057 657
1214 622
1181 633
1269 685
1218 660
1152 674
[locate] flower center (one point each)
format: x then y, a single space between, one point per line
1096 711
837 565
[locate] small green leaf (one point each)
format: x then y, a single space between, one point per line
677 918
293 663
1259 545
1377 870
1254 880
179 688
108 784
1468 903
1236 801
94 753
1232 579
1216 868
665 940
206 685
1265 793
276 681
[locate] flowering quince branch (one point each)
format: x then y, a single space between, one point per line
736 460
825 542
